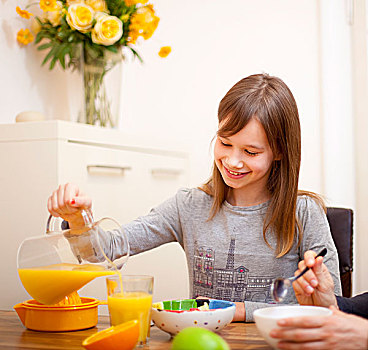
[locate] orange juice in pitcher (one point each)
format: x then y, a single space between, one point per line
54 265
50 284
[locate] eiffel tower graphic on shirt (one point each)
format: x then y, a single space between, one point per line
230 283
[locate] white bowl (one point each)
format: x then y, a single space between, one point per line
221 313
266 319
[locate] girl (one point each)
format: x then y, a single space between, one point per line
248 224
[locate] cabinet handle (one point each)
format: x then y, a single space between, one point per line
107 169
166 172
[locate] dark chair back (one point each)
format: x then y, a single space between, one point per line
341 226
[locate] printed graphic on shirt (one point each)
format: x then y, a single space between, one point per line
230 283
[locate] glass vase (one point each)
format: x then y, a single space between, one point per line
102 77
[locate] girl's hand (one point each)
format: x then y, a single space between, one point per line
67 202
316 286
239 315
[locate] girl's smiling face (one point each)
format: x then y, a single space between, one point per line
244 161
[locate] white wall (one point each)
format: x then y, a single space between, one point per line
215 44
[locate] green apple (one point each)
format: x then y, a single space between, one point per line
196 338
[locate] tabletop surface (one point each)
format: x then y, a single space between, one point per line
13 335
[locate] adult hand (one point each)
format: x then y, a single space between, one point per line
338 331
316 286
66 202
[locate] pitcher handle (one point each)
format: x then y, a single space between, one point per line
87 218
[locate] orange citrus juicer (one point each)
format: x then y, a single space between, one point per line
121 337
59 318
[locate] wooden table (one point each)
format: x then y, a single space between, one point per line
13 335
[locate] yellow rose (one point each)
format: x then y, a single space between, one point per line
55 16
71 2
107 30
80 17
135 2
97 5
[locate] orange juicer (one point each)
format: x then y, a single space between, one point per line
59 263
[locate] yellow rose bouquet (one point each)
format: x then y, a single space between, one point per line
94 32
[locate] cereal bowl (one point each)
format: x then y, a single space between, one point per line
172 316
266 318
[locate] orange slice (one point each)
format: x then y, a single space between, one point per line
121 337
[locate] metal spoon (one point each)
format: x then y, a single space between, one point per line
280 286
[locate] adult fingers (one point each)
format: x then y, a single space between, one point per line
309 258
301 287
303 322
310 279
318 266
301 265
299 335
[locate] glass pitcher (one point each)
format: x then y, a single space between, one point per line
54 265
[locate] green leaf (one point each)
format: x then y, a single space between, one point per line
52 64
65 50
62 61
112 48
136 54
45 46
58 55
50 54
38 38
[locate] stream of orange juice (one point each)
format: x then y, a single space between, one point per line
128 306
50 284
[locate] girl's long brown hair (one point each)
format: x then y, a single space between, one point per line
269 100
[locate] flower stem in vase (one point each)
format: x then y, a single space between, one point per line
97 108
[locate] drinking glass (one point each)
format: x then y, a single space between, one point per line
129 297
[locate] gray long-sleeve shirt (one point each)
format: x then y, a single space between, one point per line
227 256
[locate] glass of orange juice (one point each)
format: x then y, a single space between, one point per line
130 298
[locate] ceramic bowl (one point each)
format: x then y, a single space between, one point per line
266 318
174 315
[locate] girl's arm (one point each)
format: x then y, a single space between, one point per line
161 225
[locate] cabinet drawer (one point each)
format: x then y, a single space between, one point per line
122 183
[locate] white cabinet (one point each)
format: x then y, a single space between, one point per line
125 177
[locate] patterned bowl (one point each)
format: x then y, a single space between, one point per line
174 315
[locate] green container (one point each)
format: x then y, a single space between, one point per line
179 305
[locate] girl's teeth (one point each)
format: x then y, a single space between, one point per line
234 173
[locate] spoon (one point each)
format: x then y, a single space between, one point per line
280 286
